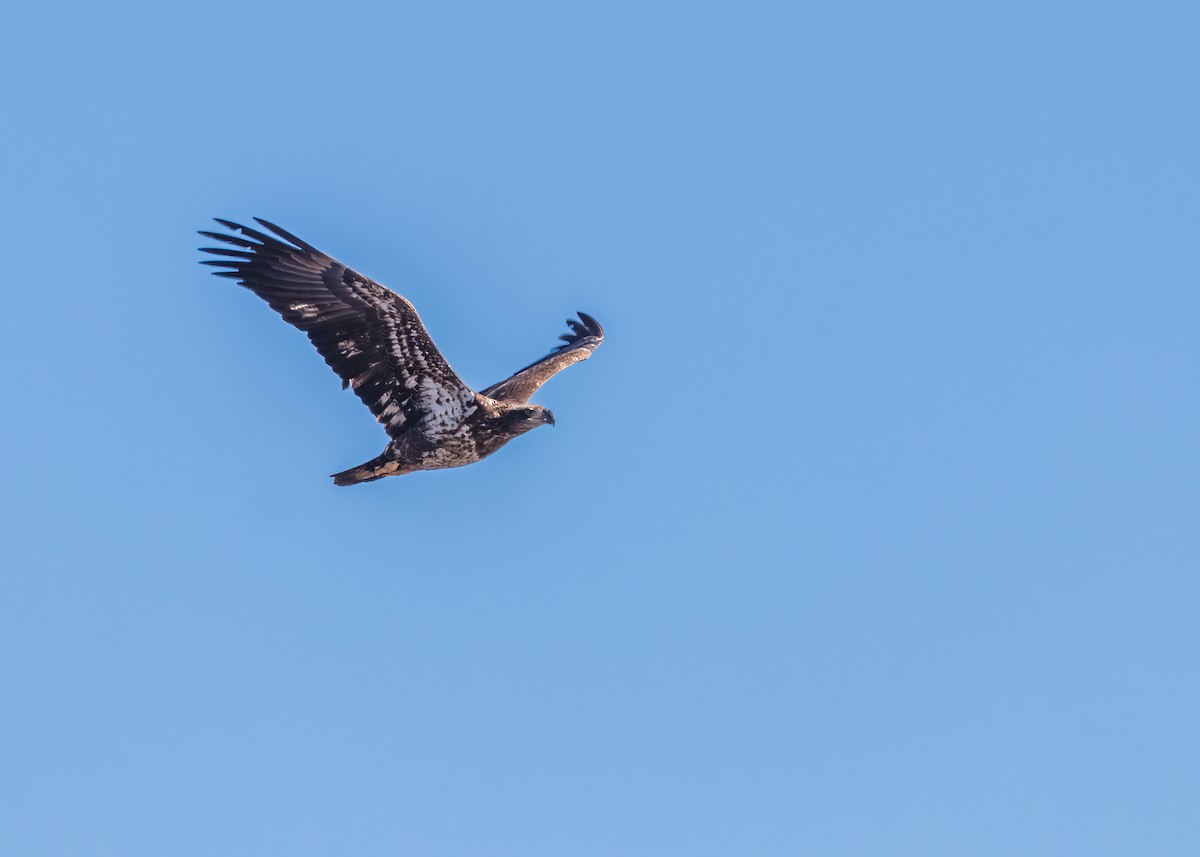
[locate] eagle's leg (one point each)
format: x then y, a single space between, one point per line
376 468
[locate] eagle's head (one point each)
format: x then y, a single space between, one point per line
521 418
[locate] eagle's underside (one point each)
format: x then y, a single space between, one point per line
458 449
397 461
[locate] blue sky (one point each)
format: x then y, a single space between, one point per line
870 530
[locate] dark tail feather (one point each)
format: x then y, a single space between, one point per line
376 468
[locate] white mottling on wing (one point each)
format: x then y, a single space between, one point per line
349 348
444 406
305 310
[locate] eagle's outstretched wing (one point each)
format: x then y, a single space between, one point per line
369 335
578 345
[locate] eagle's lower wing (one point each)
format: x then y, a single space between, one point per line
578 345
369 335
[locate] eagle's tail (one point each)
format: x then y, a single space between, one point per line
376 468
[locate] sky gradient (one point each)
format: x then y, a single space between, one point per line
871 529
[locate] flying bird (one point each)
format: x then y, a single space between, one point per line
374 340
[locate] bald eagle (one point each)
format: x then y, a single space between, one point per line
372 338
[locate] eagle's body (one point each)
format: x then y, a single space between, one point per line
374 340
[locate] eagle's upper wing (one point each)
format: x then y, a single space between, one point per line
579 345
369 335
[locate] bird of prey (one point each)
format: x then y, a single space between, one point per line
372 338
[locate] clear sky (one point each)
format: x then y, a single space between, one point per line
870 530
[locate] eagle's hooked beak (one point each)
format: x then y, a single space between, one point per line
549 417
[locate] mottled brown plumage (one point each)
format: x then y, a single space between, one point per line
374 340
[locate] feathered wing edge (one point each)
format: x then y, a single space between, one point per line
585 336
369 335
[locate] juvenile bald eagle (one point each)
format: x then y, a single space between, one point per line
372 338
